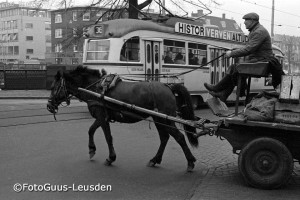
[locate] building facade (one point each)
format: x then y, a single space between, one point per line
67 27
290 46
25 33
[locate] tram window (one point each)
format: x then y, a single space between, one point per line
197 54
174 52
98 50
131 50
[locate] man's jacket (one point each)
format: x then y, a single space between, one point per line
259 46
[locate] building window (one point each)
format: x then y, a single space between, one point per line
75 48
236 26
47 26
58 60
99 14
42 14
75 61
32 13
58 48
29 38
48 38
74 15
9 37
75 32
29 51
58 18
58 33
29 25
207 21
86 16
48 49
24 12
16 50
14 24
15 37
223 23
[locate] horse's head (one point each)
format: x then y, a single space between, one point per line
59 93
66 84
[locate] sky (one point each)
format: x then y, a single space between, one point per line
286 12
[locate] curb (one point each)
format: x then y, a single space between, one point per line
20 98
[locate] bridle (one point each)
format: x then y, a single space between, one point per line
53 101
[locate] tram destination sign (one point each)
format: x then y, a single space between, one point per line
212 32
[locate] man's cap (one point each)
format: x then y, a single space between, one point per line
252 16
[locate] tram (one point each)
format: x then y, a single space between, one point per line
174 51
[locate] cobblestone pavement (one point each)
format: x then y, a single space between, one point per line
223 180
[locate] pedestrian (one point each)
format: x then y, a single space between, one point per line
257 49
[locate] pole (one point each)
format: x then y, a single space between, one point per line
137 108
272 21
163 10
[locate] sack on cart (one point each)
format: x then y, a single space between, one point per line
261 108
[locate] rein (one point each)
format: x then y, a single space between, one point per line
175 75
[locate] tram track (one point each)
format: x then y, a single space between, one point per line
31 116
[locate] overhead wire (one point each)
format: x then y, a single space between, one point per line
262 19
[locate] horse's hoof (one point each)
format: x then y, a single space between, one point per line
151 164
91 155
190 167
108 162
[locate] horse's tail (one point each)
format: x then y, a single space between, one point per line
185 108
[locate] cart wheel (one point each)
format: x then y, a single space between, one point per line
265 163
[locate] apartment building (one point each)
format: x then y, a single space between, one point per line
67 27
25 33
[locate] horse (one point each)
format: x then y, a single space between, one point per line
154 95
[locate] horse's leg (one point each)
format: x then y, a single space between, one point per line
109 141
98 113
179 137
92 130
164 138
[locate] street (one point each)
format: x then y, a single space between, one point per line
40 153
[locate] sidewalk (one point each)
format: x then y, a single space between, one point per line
24 94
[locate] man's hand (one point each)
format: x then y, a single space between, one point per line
228 54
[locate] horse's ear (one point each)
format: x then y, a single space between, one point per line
103 72
58 75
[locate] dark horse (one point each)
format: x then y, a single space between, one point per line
150 95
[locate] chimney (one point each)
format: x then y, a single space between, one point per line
223 16
200 13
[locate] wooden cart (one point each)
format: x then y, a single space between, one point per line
267 150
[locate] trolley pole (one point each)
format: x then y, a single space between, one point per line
272 21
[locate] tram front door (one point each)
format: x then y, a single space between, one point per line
152 61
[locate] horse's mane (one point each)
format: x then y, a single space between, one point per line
82 74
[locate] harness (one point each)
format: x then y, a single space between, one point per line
105 84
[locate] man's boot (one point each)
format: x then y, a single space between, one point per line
224 94
224 82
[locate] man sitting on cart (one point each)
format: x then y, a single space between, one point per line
257 49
